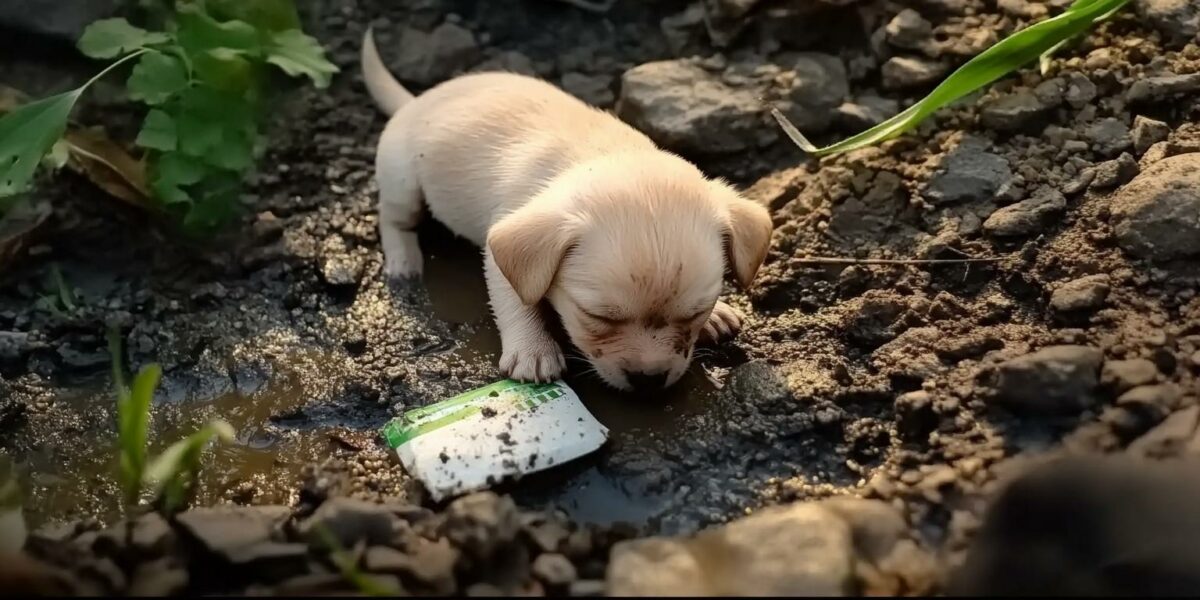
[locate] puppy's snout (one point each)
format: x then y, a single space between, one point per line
647 381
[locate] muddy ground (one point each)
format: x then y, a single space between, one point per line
918 385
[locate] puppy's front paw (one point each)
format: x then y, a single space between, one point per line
402 260
538 360
723 324
402 268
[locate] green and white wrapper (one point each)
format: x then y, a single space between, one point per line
503 430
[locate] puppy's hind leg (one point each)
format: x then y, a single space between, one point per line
400 208
528 352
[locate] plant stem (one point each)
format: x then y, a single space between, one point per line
109 69
832 260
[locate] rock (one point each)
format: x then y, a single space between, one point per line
1147 132
683 30
756 380
800 549
339 266
1028 216
223 531
14 345
1165 396
1022 8
1021 110
1080 90
968 174
1168 438
1083 294
1177 20
350 521
62 20
508 61
482 523
1112 173
914 415
813 90
1108 136
432 565
685 108
587 588
1121 375
904 72
1157 215
873 323
106 573
866 112
1053 380
159 578
725 19
83 361
876 526
908 30
554 570
1152 89
429 58
1125 504
152 535
593 89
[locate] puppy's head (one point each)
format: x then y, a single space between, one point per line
631 253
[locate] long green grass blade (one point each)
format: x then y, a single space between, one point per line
1008 55
172 473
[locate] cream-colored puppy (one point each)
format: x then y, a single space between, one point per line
628 243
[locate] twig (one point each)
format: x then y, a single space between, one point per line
829 260
596 6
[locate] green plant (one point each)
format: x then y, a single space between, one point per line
348 567
172 474
1017 50
205 80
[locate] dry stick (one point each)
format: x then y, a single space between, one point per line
829 260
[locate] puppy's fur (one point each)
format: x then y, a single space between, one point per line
627 242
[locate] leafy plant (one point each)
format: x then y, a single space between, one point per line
348 567
1017 50
205 81
172 474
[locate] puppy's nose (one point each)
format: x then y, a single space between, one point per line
647 381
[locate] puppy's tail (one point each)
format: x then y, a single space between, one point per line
388 93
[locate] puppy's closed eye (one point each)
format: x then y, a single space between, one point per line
610 321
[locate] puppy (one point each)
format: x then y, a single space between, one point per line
628 243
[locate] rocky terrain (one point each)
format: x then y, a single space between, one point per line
848 441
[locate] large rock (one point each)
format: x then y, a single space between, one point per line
63 20
230 532
1177 20
1157 215
686 108
968 173
908 30
813 90
429 58
799 550
482 523
1150 89
1028 216
350 521
1053 380
1090 526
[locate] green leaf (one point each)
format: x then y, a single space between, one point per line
172 172
133 425
265 15
200 33
1010 54
235 152
110 38
216 202
226 71
27 134
172 474
298 55
158 132
156 78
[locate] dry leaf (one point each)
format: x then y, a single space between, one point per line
107 165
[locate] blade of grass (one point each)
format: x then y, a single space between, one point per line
350 572
1008 55
172 474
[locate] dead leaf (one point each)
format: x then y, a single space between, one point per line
18 225
94 155
107 165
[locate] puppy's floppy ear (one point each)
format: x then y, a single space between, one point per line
528 246
749 236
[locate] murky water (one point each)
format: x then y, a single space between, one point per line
72 475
